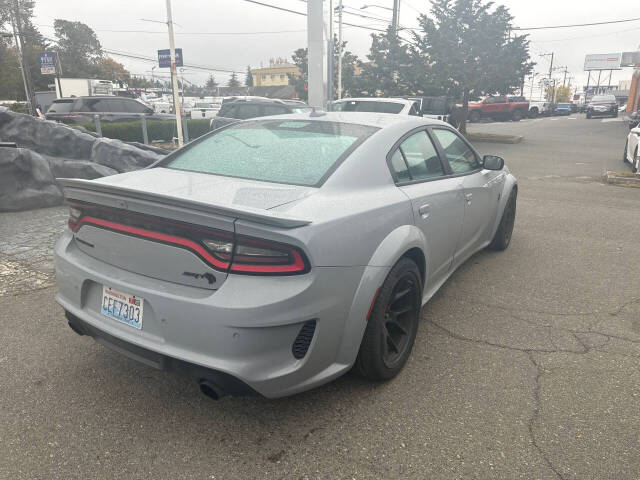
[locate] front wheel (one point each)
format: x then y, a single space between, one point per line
626 152
502 237
392 324
533 113
636 162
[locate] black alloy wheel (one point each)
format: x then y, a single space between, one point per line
392 324
626 152
502 237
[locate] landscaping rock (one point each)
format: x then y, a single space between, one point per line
26 181
65 168
121 156
44 136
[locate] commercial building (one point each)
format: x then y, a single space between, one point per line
275 75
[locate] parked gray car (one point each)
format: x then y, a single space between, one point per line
275 254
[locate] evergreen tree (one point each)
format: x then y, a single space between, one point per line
233 81
248 81
471 51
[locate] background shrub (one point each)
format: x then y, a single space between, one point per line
156 130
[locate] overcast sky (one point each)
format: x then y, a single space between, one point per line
198 19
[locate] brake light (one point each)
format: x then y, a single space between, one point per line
221 250
263 257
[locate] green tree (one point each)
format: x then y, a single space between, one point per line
233 81
78 47
140 82
558 94
471 49
211 84
350 84
248 81
390 70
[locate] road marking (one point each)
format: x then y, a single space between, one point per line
572 118
553 119
617 119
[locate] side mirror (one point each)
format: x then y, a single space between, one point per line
492 162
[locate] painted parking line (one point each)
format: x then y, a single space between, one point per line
617 119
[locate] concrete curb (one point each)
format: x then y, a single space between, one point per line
494 138
623 179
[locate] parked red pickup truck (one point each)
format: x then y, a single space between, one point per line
513 108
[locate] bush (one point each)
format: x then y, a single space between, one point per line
156 130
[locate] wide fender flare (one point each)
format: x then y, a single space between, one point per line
390 250
509 184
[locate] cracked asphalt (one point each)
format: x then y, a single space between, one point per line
526 364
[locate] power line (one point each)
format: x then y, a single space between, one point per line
188 33
304 15
578 24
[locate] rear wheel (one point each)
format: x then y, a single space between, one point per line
533 113
626 152
516 115
588 115
474 116
392 324
502 237
636 161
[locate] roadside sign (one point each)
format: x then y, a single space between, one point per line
164 58
47 63
603 61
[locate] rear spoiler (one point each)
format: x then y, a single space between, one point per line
85 190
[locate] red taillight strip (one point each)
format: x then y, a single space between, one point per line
298 265
157 236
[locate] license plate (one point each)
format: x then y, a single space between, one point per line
122 307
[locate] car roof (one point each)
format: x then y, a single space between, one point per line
370 119
402 101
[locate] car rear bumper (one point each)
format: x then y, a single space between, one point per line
247 329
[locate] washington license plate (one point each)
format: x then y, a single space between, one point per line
122 307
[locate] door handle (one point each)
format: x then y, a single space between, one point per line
468 197
424 210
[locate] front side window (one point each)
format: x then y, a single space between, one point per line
274 110
491 100
246 111
294 152
420 157
462 158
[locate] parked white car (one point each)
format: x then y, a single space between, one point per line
399 106
631 154
539 108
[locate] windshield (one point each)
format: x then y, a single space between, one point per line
296 152
603 98
366 106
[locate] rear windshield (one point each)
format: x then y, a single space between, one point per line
296 152
366 106
60 106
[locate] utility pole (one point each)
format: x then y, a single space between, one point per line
317 57
339 49
550 72
19 39
174 77
330 55
395 21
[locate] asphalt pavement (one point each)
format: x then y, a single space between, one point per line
526 364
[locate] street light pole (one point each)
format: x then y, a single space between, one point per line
330 55
174 76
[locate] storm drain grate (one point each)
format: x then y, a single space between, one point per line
303 340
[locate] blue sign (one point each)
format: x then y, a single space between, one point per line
164 58
47 63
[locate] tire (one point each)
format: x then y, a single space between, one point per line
635 167
502 237
516 115
474 116
533 113
626 152
392 323
588 115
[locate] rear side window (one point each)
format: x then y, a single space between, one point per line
274 110
61 106
133 106
295 152
462 158
248 110
98 105
420 157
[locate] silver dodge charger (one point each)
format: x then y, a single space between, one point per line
274 255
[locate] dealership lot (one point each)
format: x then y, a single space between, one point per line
526 364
